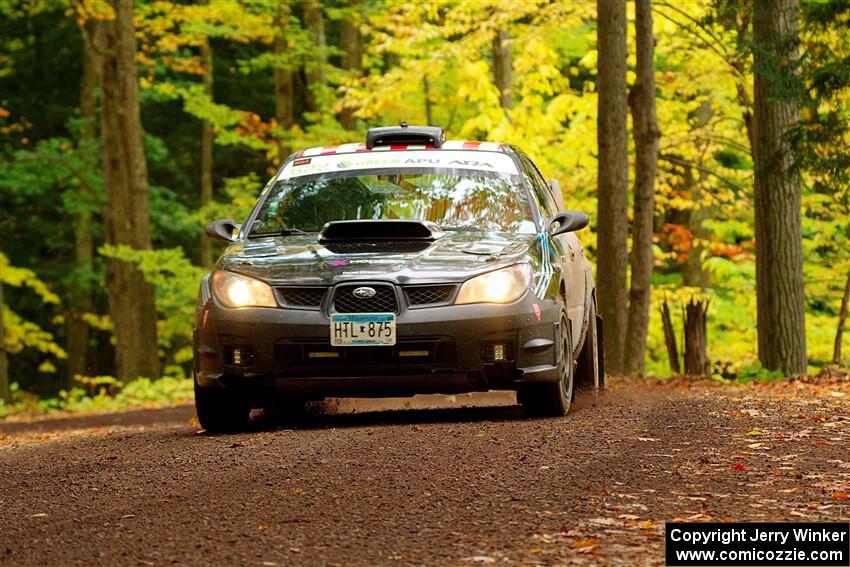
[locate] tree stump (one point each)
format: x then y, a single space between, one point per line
696 338
670 339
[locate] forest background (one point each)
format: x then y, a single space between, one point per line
226 89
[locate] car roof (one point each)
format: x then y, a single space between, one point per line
357 147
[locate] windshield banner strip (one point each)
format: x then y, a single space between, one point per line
474 160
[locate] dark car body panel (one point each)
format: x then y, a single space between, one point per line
455 257
280 340
461 328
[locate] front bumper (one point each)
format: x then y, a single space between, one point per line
446 349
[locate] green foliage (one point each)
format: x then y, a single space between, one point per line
20 334
50 178
176 281
108 395
756 372
239 194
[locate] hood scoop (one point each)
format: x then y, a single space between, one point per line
484 249
385 231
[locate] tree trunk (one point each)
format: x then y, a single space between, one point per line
779 251
646 134
670 339
502 68
740 64
613 178
4 359
126 217
426 87
206 152
696 339
351 45
842 319
694 273
314 22
283 88
80 299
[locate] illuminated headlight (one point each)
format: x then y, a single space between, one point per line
240 291
499 351
500 286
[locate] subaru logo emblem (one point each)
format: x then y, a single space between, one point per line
363 292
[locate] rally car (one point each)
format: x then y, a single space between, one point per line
405 265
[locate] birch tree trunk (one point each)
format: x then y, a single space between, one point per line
646 134
613 178
779 251
126 216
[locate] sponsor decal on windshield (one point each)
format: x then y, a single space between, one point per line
475 160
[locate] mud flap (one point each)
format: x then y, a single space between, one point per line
600 339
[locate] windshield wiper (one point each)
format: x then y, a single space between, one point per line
284 232
465 228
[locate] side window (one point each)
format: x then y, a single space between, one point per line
556 201
541 189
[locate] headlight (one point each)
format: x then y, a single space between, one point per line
500 286
240 291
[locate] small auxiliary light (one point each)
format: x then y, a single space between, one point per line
499 351
322 354
414 353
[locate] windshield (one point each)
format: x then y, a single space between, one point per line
455 199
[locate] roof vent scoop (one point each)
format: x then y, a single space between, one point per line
380 230
404 135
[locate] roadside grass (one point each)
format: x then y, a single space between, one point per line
101 394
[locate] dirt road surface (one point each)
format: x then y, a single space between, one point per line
364 484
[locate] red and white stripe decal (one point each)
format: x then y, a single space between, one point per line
356 148
465 145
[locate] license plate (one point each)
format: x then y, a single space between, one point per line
363 329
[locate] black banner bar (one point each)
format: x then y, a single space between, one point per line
764 544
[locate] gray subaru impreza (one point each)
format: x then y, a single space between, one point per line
405 265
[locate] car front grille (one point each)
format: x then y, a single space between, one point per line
428 295
384 300
305 297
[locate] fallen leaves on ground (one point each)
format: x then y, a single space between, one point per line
771 441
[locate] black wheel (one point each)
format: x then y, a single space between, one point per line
553 398
589 372
219 410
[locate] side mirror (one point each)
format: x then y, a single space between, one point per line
568 221
224 229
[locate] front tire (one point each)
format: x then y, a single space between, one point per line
552 399
219 410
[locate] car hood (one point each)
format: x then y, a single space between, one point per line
303 260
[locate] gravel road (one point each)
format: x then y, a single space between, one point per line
425 482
